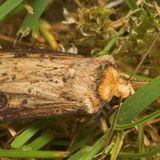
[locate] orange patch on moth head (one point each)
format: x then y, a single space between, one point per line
113 85
108 84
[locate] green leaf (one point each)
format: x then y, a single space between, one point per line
7 7
138 102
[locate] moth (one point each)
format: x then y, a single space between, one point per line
40 85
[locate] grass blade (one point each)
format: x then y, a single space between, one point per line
45 28
90 153
32 154
108 47
141 146
27 134
138 102
139 122
117 147
41 141
82 143
132 4
79 155
31 19
7 7
151 152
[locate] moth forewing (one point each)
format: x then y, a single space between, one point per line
47 85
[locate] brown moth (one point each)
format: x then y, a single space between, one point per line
39 85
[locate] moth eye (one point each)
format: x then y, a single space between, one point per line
114 101
3 100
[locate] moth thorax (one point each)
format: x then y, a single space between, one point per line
108 84
113 85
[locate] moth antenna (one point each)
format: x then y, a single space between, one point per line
144 57
136 84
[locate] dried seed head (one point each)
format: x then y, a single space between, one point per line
113 85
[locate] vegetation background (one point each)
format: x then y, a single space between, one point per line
124 29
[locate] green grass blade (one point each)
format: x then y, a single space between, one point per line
7 7
41 141
139 77
151 152
32 154
138 102
108 47
61 142
31 19
82 143
117 146
90 153
132 4
140 139
96 148
79 155
45 29
27 134
141 121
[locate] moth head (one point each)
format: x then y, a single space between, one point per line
112 84
124 88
